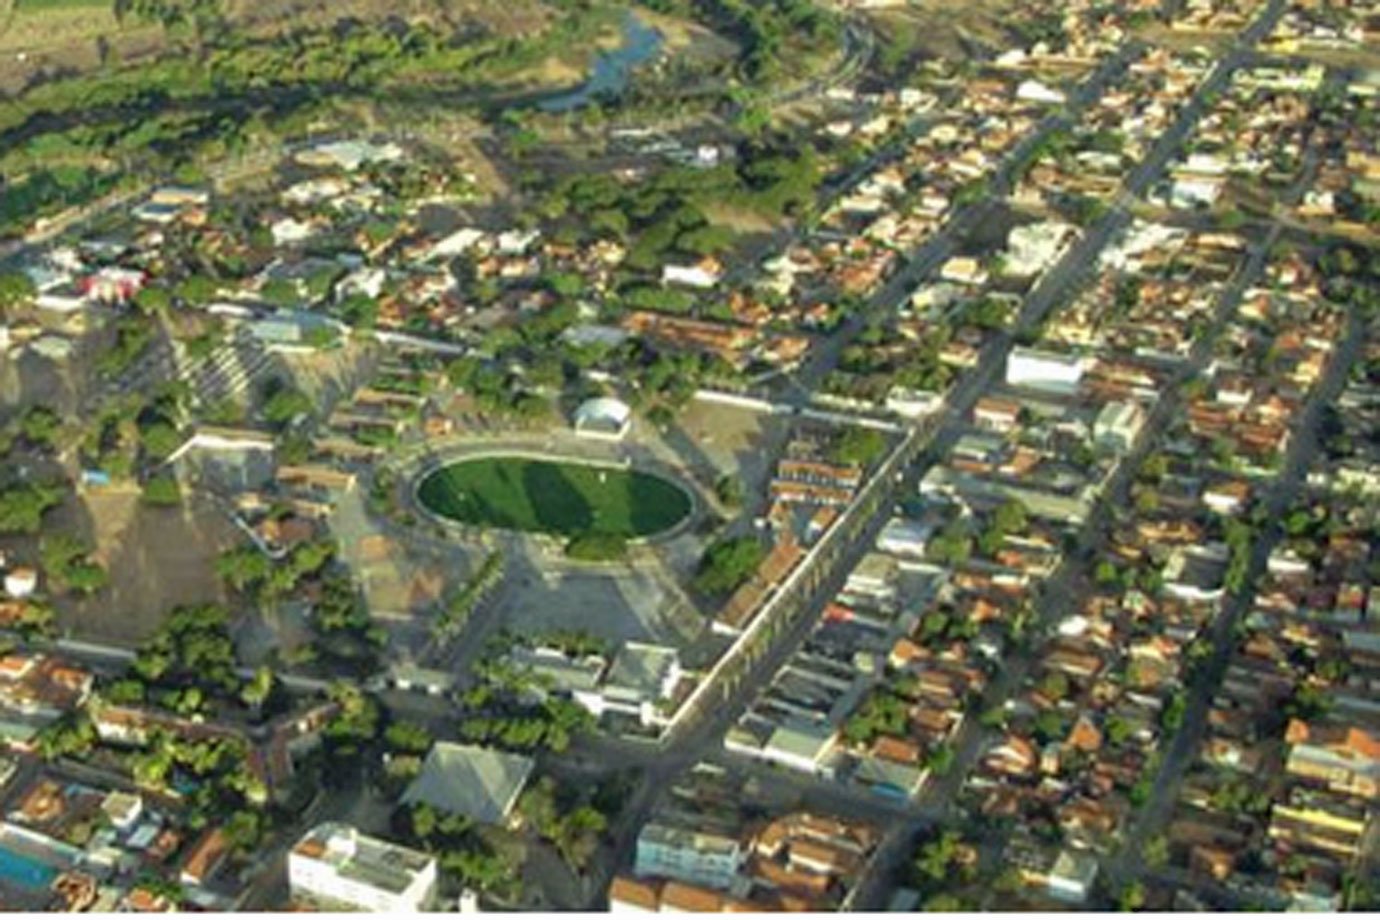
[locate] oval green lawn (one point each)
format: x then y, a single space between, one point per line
544 496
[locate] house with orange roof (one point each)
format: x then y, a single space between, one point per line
1344 759
206 856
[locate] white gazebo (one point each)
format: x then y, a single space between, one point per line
603 417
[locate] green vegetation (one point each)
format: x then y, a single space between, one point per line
777 35
858 447
597 547
729 490
461 605
132 336
16 288
464 851
665 215
502 709
40 427
728 563
192 652
355 727
878 360
345 634
543 496
66 563
23 506
162 491
882 713
283 403
559 816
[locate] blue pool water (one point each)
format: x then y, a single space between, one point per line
24 871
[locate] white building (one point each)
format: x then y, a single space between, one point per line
21 581
803 745
1072 876
1117 425
640 678
1195 192
693 857
1035 91
1031 248
913 404
905 537
873 578
1044 370
337 867
695 276
603 417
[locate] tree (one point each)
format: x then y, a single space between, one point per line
729 490
72 735
126 691
243 567
22 507
941 760
259 688
943 903
356 723
162 490
284 404
1132 897
933 861
952 546
40 426
153 300
422 818
597 547
1106 574
727 563
280 292
1173 715
1011 517
1156 851
16 290
407 737
244 831
160 439
65 561
858 447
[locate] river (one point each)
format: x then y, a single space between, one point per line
612 70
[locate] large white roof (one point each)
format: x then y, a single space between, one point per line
603 410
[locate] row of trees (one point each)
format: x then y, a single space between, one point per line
461 605
508 707
727 563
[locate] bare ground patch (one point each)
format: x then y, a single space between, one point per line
158 558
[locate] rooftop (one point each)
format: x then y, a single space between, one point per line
479 783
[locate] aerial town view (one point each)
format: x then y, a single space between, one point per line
689 455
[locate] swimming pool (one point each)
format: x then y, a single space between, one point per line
23 870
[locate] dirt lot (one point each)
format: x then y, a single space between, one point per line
511 17
733 441
943 28
157 558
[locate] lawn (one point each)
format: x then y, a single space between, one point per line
34 6
568 499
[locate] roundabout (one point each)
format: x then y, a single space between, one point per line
558 497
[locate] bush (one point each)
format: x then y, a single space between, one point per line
728 563
597 547
162 490
858 447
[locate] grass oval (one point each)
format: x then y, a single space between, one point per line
555 497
